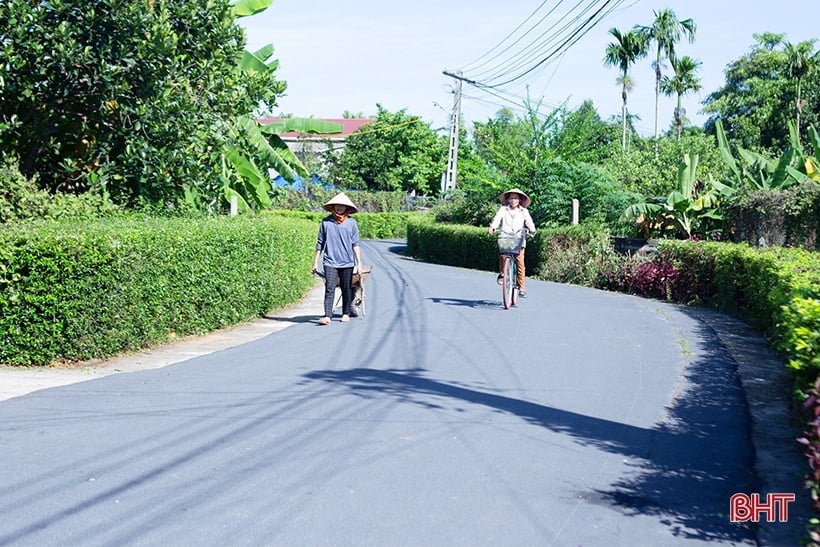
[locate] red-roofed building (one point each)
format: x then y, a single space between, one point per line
314 144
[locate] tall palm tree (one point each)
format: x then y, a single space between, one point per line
665 32
800 61
628 48
684 81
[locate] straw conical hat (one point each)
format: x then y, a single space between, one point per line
525 199
340 199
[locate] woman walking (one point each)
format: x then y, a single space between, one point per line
338 241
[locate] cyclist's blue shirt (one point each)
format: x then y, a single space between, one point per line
336 241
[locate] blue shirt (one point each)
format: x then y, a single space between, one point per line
336 241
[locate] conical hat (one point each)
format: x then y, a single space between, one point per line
525 199
340 199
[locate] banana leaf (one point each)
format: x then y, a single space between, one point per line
251 63
302 125
256 183
271 150
246 8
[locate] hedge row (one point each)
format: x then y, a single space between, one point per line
570 254
776 290
371 225
76 291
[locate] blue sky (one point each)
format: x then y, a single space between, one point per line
339 55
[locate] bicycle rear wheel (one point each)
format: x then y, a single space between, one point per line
508 282
513 282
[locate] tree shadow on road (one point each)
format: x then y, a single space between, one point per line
469 303
685 468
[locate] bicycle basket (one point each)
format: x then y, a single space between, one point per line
510 243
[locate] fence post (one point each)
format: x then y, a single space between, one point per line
576 206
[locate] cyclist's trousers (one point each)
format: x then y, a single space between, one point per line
520 272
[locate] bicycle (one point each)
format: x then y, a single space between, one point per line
509 246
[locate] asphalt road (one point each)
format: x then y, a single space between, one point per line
580 417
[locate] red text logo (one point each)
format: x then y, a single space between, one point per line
744 508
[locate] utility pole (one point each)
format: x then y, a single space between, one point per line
451 174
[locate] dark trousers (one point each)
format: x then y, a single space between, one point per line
343 278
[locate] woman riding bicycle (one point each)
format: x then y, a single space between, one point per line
512 217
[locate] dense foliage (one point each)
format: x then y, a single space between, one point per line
21 199
127 97
395 151
760 95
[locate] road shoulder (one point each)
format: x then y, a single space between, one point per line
16 381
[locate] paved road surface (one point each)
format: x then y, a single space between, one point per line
578 418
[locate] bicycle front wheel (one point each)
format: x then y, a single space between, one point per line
508 282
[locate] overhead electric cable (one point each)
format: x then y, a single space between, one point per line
529 52
501 43
541 50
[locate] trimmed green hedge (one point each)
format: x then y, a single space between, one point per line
452 244
75 291
570 254
371 225
776 290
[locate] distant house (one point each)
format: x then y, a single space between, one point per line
310 146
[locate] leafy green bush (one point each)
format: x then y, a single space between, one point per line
471 208
789 217
569 254
20 199
452 244
80 290
371 225
775 290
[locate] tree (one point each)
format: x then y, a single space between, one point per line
130 97
582 136
758 97
395 151
625 51
800 62
684 81
665 32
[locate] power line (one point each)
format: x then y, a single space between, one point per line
528 53
501 43
552 42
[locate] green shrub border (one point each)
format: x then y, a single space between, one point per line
371 225
82 290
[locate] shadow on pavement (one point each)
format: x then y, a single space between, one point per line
295 319
685 469
467 303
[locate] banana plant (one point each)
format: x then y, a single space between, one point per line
263 149
758 171
684 208
808 166
252 149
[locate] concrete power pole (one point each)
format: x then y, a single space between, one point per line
451 174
